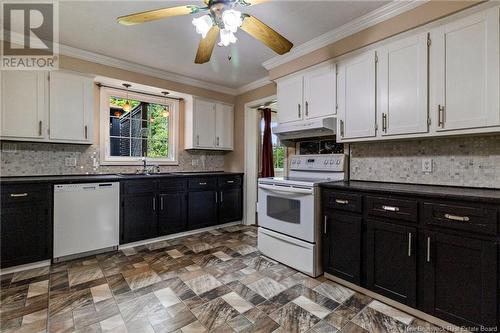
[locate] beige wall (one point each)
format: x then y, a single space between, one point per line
416 17
234 160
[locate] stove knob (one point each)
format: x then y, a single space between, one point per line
331 162
326 162
338 162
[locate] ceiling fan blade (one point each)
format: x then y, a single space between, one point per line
152 15
265 34
207 46
252 2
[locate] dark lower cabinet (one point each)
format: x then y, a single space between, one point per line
391 261
25 224
139 217
342 245
230 205
460 279
25 233
172 214
202 209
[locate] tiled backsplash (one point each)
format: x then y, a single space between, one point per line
462 161
49 159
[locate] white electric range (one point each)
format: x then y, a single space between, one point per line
289 211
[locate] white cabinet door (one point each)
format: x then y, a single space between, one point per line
204 124
24 104
224 126
402 86
290 99
356 97
71 107
465 72
319 92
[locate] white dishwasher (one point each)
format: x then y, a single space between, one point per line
86 219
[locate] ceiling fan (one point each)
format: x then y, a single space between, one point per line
220 18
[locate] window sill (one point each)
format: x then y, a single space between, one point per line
138 163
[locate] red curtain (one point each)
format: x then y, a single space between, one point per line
267 146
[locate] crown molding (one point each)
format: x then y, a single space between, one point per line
253 85
381 14
137 68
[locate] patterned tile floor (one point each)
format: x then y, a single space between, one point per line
214 281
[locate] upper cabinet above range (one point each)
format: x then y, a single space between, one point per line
209 125
46 107
308 94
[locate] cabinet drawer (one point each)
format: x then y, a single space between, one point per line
229 181
172 185
344 201
400 209
202 183
138 186
24 193
462 216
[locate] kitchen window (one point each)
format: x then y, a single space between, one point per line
135 125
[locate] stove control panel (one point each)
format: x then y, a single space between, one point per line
327 162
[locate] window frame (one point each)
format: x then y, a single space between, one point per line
106 159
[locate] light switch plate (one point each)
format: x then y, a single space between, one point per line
427 165
9 147
70 161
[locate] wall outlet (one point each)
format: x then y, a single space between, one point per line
195 162
70 161
427 165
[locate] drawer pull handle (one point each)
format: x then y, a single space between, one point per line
230 181
457 218
324 224
203 183
341 202
390 208
18 195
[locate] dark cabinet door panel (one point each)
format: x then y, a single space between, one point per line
139 217
202 209
230 205
25 233
460 279
342 246
172 214
391 261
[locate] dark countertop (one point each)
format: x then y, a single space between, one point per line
446 192
96 178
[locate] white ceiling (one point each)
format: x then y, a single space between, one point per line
170 44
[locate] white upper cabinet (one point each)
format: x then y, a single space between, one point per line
308 94
224 126
465 73
402 86
36 109
319 92
290 99
24 105
204 124
209 125
71 107
356 97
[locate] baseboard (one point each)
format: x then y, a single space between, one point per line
177 235
24 267
414 312
44 263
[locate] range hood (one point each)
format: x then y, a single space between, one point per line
306 129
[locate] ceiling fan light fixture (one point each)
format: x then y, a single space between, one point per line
203 24
232 20
227 37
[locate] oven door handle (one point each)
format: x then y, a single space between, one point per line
286 189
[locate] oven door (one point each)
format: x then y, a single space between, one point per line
287 209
